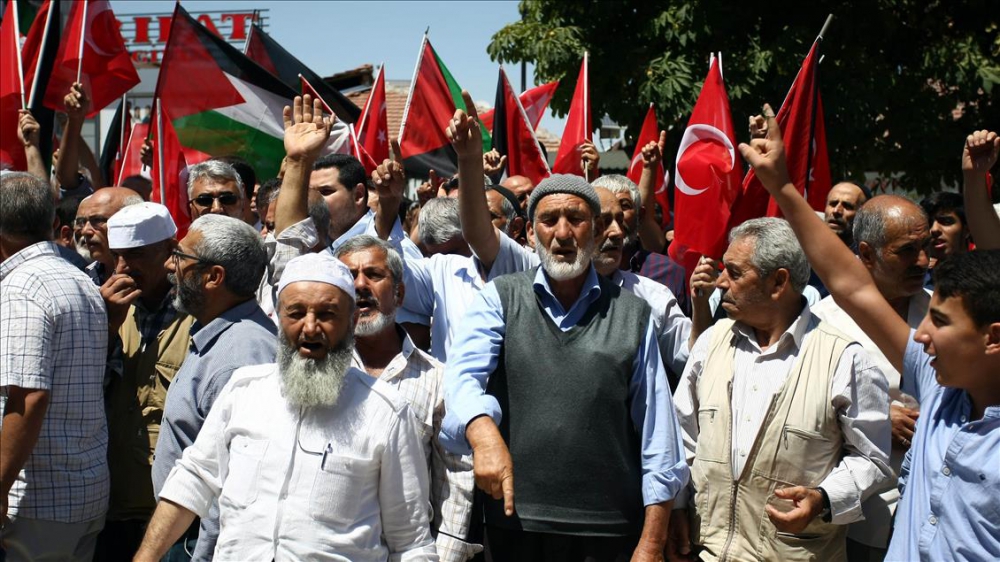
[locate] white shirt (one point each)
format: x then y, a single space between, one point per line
419 379
878 509
325 483
858 392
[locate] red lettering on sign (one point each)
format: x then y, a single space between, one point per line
239 32
206 20
164 22
141 29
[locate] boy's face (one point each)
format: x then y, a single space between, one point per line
957 345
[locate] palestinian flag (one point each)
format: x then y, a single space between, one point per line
218 101
38 55
514 136
116 142
534 102
265 51
434 97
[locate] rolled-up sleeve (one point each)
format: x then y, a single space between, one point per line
404 495
472 359
664 469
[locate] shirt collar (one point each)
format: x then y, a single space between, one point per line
591 286
31 252
202 336
795 332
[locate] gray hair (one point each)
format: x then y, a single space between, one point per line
507 208
871 218
616 183
215 170
234 245
439 221
27 211
774 247
365 242
132 200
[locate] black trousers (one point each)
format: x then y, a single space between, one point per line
507 545
119 540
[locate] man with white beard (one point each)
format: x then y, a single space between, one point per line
310 458
556 371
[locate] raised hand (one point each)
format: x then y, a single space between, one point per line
389 178
464 133
28 130
306 129
767 155
146 153
652 153
758 127
493 162
77 103
704 277
589 158
979 154
119 292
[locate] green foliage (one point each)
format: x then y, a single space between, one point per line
903 81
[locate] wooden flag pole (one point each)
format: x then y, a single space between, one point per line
17 48
83 40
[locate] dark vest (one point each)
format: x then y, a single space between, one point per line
566 413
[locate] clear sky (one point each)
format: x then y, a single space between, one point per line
331 37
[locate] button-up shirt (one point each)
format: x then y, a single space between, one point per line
665 271
321 483
950 483
240 336
475 355
54 337
419 379
858 393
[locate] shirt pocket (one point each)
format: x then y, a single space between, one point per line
712 437
245 458
345 490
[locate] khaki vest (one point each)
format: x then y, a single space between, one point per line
799 444
135 408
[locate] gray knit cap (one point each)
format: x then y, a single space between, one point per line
564 183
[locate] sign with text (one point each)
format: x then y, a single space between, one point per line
146 34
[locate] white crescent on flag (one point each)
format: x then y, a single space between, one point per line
695 134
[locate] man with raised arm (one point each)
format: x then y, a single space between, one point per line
950 363
984 223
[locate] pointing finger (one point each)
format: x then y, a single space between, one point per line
470 106
508 495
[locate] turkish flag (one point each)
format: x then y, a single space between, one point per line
579 128
106 69
708 173
651 133
169 170
534 102
11 93
804 133
373 130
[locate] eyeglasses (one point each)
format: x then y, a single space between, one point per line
178 255
206 200
96 221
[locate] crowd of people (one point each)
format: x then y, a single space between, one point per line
322 369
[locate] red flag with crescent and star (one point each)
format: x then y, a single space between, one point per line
651 133
707 177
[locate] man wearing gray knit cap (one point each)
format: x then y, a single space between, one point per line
556 376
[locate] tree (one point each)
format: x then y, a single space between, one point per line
903 81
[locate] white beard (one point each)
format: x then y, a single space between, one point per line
313 382
561 271
81 248
370 327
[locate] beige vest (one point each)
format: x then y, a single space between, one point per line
799 443
135 408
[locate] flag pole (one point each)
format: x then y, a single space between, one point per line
83 40
586 111
826 25
17 48
41 56
364 112
121 171
409 97
246 43
157 106
815 98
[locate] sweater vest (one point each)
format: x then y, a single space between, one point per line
799 444
566 413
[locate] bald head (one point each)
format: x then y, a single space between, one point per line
892 236
93 215
521 187
842 203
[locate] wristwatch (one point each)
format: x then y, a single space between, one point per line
826 515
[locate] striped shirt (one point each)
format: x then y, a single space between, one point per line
54 337
859 395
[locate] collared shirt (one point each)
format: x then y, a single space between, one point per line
858 392
878 509
419 379
443 285
323 483
950 484
97 273
476 352
671 326
53 336
240 336
665 271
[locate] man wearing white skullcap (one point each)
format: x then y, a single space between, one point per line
309 458
148 340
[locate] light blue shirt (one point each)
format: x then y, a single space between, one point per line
474 356
950 482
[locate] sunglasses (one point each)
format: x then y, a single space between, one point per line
206 200
179 255
96 221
